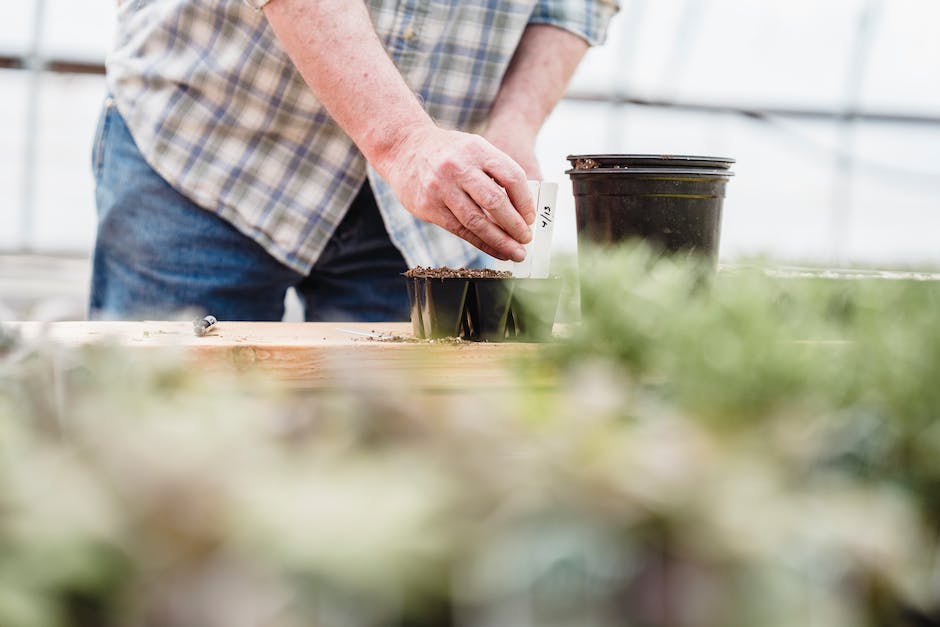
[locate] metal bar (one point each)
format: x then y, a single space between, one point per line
54 65
755 112
33 63
843 190
71 66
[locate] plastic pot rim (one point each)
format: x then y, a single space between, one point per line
651 160
656 172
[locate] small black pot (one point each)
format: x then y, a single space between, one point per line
534 304
417 326
483 309
440 305
488 309
671 202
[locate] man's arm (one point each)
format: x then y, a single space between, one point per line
535 81
456 180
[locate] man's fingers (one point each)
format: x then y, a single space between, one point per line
510 175
475 221
495 202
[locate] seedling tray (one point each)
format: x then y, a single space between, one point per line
481 305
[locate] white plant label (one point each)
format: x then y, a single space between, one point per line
543 230
523 268
538 251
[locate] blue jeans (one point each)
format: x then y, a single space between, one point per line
157 254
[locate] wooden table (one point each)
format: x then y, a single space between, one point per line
314 355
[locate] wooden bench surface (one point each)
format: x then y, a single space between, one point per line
308 354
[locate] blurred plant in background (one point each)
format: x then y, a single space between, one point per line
735 451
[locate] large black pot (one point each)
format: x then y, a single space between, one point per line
671 202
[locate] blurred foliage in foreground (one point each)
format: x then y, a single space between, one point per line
736 452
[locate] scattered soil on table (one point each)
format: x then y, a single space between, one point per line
408 339
379 336
456 273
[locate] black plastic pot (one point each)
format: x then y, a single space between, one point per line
534 304
483 309
672 202
487 309
440 305
417 325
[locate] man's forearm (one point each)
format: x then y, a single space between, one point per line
335 48
536 79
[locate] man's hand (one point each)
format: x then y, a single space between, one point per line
464 184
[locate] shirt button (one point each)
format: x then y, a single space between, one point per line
409 34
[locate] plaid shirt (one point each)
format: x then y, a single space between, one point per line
217 108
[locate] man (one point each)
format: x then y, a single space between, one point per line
325 145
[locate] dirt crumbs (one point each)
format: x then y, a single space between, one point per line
408 339
586 164
395 338
459 273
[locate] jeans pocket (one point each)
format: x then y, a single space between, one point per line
101 133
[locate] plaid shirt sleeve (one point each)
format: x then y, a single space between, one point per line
587 19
